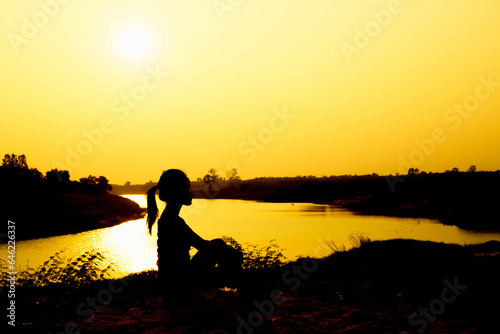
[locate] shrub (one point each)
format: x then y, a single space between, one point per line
255 257
74 271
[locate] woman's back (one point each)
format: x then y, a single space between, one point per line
174 240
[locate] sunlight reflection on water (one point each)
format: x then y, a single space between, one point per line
300 228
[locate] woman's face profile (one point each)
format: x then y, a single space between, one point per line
186 194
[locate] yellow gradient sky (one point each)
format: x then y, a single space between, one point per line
127 89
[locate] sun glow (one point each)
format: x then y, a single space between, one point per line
134 43
356 91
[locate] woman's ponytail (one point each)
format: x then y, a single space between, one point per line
152 210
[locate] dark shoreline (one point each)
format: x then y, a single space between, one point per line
370 206
465 199
71 213
52 204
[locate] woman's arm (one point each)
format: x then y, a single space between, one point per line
194 239
201 244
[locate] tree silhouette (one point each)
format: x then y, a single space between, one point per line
208 181
95 185
15 173
57 179
213 174
14 161
211 178
232 175
413 171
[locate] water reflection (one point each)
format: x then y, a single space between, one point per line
301 228
325 209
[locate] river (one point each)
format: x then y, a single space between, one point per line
301 229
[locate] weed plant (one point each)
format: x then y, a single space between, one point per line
256 257
74 271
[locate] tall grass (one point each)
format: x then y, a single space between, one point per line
257 257
58 269
356 240
91 265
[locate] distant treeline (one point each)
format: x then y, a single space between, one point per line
15 175
466 199
52 204
128 188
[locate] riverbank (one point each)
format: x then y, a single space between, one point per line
380 287
52 204
67 213
470 215
463 199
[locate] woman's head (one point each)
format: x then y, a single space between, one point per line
174 188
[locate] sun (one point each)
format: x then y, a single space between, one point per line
134 43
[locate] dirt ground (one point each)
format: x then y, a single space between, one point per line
395 286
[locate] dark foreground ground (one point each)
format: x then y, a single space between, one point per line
391 286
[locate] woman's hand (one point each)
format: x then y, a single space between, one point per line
219 246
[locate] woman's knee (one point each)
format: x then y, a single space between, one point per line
228 255
219 241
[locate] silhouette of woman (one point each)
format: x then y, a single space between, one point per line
179 275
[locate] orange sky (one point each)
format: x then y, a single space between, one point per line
127 89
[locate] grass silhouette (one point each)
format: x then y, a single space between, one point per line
67 271
373 287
